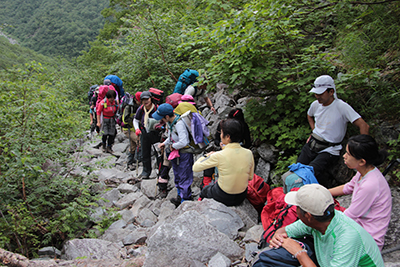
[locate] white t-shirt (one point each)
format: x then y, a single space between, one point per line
331 122
198 97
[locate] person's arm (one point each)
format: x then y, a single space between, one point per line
278 238
337 191
206 162
183 136
294 248
362 126
311 122
209 104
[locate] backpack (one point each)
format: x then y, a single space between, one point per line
196 125
126 111
275 214
257 191
157 95
173 99
187 78
91 91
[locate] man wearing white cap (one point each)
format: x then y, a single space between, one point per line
328 117
338 240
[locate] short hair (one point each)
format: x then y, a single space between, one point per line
233 128
365 147
111 93
329 89
328 214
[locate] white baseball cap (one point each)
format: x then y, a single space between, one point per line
322 83
312 198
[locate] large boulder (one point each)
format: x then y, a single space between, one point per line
92 249
186 239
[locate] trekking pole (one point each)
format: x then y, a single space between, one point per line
158 162
137 156
390 166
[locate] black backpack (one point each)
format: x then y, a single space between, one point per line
91 92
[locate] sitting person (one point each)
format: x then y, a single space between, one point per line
235 166
371 201
338 240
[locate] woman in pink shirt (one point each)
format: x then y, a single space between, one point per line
371 201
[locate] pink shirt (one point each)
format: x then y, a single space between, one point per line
371 203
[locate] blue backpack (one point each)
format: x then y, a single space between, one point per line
187 78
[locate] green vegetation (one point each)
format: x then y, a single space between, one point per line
53 27
270 49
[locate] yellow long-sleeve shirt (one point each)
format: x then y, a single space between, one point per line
235 167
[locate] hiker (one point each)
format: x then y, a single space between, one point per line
338 240
117 84
235 166
328 117
178 139
147 137
127 117
107 108
92 111
199 95
371 201
236 113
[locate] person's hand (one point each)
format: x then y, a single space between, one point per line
98 124
308 140
210 153
161 145
171 148
291 245
222 145
277 239
138 132
213 110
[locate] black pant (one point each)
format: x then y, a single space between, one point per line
147 139
215 192
319 161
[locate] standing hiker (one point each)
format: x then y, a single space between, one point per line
371 201
328 117
177 140
106 110
147 137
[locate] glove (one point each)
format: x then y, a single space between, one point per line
138 132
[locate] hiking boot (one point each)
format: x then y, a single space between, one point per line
144 176
131 159
109 150
176 201
104 149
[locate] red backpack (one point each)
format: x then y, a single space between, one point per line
173 99
257 191
157 95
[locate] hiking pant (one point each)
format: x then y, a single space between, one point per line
163 172
109 132
182 167
215 192
319 161
132 139
147 139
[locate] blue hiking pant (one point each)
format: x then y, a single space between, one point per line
183 173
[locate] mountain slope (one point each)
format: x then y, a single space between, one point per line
53 27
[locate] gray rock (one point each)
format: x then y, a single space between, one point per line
97 214
127 215
267 152
247 213
219 260
141 203
188 238
137 236
127 188
250 248
50 252
216 214
121 147
254 234
127 200
149 188
146 214
263 169
108 198
92 249
116 235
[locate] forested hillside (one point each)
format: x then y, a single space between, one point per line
53 27
269 49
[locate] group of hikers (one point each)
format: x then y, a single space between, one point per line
354 237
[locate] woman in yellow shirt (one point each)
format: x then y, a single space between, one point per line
235 166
